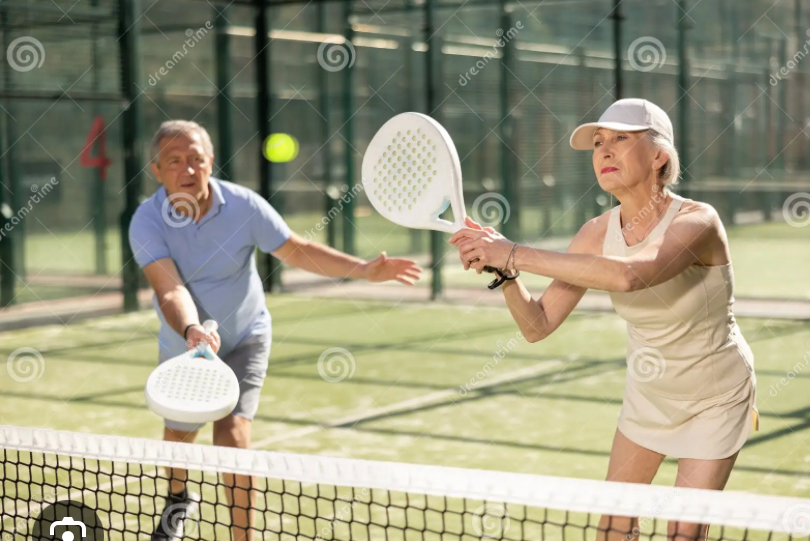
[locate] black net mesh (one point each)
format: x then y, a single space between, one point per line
122 498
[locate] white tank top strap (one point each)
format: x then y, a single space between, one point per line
614 242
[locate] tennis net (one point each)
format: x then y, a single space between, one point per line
124 482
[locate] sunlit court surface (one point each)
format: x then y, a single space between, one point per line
436 270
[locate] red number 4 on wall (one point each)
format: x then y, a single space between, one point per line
97 135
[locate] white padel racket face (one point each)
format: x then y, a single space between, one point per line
196 387
411 174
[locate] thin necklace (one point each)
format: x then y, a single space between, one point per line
646 231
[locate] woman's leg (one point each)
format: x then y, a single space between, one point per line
629 463
695 473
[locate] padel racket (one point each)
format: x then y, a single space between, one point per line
412 174
195 387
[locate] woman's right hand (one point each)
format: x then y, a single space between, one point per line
471 224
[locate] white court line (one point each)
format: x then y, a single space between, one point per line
438 396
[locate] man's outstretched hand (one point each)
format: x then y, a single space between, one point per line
384 269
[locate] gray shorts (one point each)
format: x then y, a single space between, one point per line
249 362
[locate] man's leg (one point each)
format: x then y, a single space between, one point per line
234 431
249 362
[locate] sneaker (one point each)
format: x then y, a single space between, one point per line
179 509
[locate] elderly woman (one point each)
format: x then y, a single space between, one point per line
690 386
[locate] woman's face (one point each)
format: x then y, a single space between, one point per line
622 160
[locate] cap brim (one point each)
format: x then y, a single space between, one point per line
582 138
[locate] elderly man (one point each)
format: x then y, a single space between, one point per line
195 240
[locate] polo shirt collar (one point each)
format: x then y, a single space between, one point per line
215 187
216 204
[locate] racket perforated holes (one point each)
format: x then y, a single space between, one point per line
405 170
194 384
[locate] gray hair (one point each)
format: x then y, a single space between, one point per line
670 172
175 128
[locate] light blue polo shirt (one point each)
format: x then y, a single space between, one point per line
215 258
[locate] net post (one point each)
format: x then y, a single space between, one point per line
271 268
99 221
7 241
417 236
348 134
326 134
583 205
12 164
800 80
432 89
777 197
683 99
510 183
99 212
617 48
7 278
129 16
765 202
222 53
733 160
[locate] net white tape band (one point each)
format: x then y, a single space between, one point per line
736 509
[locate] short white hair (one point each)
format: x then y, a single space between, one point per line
670 172
174 128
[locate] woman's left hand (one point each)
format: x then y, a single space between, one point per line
484 243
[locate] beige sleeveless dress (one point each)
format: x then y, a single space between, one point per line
690 387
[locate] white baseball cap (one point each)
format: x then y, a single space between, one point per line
631 114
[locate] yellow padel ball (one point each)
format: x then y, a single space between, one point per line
280 147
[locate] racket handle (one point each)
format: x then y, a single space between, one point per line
210 325
487 268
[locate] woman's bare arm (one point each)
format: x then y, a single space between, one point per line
688 241
694 237
538 319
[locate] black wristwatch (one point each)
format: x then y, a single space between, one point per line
185 332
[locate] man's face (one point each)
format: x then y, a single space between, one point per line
183 165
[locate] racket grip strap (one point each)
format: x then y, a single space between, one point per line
502 278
